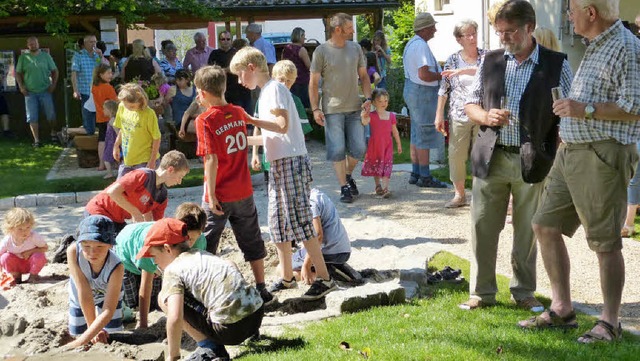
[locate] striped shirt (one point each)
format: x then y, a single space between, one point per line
516 79
457 87
83 64
608 73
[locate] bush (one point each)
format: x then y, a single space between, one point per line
395 86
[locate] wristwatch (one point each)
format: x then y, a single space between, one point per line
588 111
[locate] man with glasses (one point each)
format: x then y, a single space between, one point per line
235 93
588 181
511 101
196 57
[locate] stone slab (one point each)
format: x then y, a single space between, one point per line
366 296
85 197
55 199
7 203
29 200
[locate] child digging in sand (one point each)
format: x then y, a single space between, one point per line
22 250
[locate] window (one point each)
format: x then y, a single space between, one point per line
441 5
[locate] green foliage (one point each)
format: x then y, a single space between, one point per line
402 31
363 27
129 11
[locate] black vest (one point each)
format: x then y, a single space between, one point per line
538 124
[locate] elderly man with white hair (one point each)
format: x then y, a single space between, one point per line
254 35
197 57
587 184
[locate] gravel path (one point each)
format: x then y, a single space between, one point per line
404 231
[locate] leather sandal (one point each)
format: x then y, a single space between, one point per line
614 333
555 321
379 190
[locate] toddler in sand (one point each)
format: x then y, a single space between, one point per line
22 250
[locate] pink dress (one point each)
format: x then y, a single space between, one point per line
378 162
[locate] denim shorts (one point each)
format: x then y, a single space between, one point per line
32 103
422 102
88 118
344 133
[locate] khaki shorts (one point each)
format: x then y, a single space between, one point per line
588 185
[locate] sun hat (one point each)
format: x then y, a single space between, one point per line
423 20
165 231
97 228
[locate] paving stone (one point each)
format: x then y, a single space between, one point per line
29 200
85 197
366 296
55 199
7 203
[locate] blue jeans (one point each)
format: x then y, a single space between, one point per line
422 102
344 132
633 191
88 118
32 103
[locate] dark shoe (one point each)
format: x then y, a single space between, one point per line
63 137
553 321
345 194
60 256
430 182
344 273
8 134
267 297
207 354
413 178
37 145
352 186
319 289
281 284
54 139
612 333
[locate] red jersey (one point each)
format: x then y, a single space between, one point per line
222 131
139 189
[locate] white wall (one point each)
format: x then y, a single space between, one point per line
314 29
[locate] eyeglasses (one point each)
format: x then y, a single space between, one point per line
571 12
225 39
508 33
469 36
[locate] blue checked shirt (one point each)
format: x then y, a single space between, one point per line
516 79
608 73
83 64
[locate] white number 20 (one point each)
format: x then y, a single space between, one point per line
234 144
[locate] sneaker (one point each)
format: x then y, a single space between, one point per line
281 284
430 182
319 289
413 178
473 304
37 145
267 297
352 186
345 194
530 304
207 354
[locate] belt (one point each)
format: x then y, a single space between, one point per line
509 148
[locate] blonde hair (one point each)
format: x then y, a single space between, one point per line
211 79
133 93
546 37
175 159
493 10
248 55
16 217
284 70
159 79
138 49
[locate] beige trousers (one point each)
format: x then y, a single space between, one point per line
461 138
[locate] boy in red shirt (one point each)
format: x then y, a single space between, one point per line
228 193
140 195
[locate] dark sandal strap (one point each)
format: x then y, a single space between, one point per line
591 336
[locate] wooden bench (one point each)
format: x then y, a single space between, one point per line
87 150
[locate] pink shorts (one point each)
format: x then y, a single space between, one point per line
32 265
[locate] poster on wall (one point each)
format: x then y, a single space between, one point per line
7 71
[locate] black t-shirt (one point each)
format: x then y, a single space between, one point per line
236 93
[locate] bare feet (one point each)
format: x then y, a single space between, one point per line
108 175
99 169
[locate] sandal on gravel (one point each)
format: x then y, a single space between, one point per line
386 194
627 231
614 333
379 190
555 321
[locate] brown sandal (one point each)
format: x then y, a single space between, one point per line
614 333
555 322
379 190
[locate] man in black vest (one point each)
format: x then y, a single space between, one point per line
511 101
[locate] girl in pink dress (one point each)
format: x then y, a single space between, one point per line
378 162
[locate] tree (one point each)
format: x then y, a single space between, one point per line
129 11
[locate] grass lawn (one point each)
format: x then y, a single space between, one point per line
434 328
23 170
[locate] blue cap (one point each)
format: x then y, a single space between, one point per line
97 228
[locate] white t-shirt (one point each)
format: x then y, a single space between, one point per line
416 55
275 95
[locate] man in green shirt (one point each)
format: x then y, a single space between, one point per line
37 77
